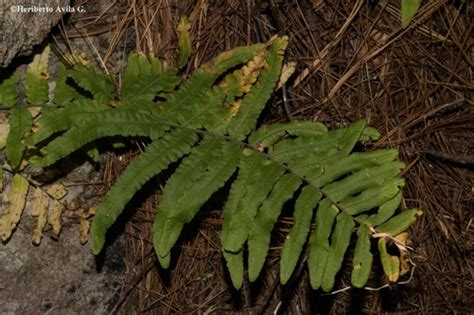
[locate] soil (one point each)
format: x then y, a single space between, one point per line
354 60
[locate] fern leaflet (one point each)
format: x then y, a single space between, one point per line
8 93
157 156
101 86
20 124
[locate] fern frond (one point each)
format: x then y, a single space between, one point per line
20 124
107 123
254 182
399 223
385 212
253 104
184 43
207 168
352 184
219 104
390 263
363 258
36 79
247 194
268 135
14 208
8 93
192 100
157 156
63 119
101 86
235 264
64 93
295 240
144 79
259 238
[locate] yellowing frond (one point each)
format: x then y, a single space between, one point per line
54 218
39 208
15 203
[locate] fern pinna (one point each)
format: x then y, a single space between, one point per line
207 124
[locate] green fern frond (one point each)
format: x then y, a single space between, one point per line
64 93
296 239
399 223
8 93
36 79
363 258
20 124
201 174
205 126
259 238
144 79
92 126
184 43
63 119
99 85
268 135
253 184
157 156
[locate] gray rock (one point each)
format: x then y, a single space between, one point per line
24 24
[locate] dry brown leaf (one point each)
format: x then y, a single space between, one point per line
55 217
39 202
401 242
91 211
40 224
84 229
35 111
15 204
286 72
57 191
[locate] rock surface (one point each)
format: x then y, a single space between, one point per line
21 30
57 277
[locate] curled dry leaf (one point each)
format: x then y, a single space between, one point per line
390 263
402 241
37 233
39 208
55 217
